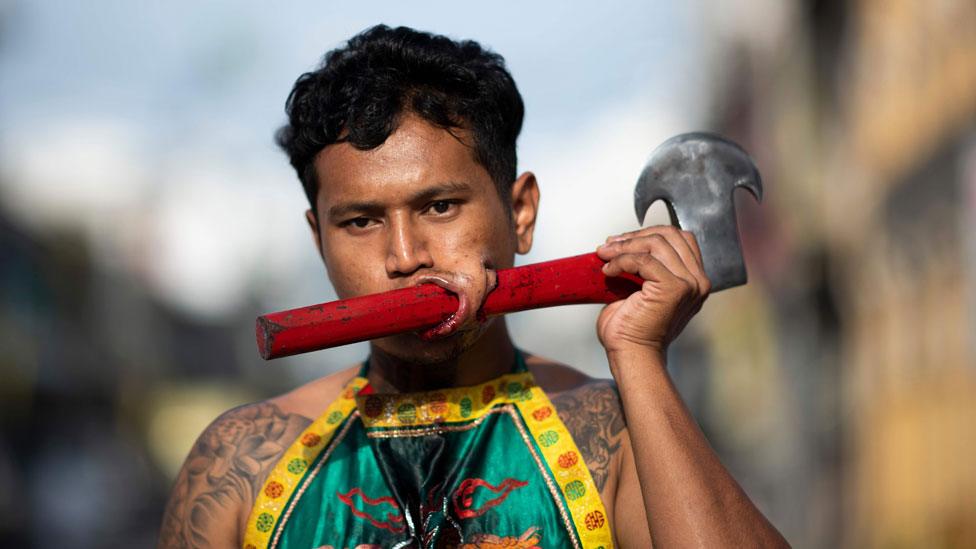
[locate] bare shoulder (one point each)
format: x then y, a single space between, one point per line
591 410
231 459
312 398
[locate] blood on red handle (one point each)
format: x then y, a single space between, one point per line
568 281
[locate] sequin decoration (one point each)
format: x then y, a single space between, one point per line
407 413
438 404
487 394
373 407
548 438
542 413
311 439
594 520
574 490
568 459
274 489
265 522
297 466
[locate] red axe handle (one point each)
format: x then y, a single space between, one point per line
568 281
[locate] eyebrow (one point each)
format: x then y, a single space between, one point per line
420 197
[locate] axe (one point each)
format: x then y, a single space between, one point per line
694 173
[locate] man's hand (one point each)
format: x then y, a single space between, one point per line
675 286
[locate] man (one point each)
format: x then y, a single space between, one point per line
405 145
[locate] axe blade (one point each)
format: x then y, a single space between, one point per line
696 174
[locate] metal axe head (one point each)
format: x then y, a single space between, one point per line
695 174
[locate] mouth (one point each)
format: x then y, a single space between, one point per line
465 318
451 325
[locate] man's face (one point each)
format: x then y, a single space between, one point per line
417 204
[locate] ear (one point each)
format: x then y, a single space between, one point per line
525 208
313 224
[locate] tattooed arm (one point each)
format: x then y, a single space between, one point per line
593 414
593 417
223 473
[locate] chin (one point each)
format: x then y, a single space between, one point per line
411 348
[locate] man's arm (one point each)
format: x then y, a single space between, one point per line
592 414
222 474
689 498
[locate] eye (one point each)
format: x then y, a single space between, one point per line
442 207
357 223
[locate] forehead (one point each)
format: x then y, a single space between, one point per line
415 154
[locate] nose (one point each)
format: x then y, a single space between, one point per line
407 249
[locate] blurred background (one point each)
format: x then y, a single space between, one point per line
146 218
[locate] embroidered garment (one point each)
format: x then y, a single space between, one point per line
485 466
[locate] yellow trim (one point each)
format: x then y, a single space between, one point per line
457 404
568 468
291 468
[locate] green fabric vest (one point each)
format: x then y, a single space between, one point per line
484 466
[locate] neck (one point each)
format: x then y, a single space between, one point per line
491 356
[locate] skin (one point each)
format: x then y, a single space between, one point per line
420 208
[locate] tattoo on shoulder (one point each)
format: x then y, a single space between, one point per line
225 469
593 415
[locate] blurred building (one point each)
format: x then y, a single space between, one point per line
862 116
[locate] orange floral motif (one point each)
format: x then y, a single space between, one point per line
542 413
594 520
438 404
567 460
311 439
274 490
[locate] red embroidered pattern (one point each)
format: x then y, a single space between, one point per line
463 498
393 522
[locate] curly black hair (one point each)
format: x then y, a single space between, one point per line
360 91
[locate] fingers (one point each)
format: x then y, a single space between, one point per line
675 249
654 272
630 254
683 241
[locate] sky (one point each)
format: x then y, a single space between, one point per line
147 127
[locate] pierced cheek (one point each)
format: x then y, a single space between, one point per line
463 286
